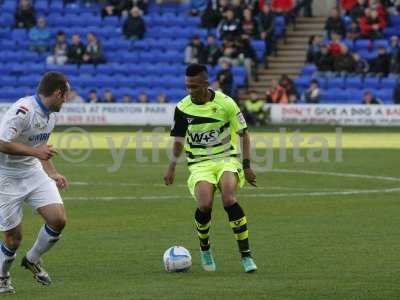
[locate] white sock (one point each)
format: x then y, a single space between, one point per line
46 239
7 257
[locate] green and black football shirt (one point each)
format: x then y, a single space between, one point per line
210 129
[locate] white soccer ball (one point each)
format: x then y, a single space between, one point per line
177 259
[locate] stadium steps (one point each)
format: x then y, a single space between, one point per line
291 54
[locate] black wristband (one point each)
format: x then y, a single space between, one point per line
246 163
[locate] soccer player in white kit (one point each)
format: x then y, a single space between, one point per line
28 175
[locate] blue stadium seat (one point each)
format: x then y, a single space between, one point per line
302 82
395 20
389 31
372 82
361 44
56 6
368 54
87 69
355 82
386 95
335 82
110 22
41 6
309 69
58 20
381 43
6 19
19 34
355 95
388 83
9 6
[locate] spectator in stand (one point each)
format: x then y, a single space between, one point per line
162 99
254 110
324 60
76 50
93 97
212 16
335 46
60 49
335 24
108 97
314 47
230 26
197 7
394 50
195 51
276 94
212 51
141 4
113 8
369 98
372 25
247 56
215 86
381 64
290 88
94 50
229 52
266 27
361 66
25 15
313 94
249 24
237 6
283 8
127 99
306 5
344 62
396 93
354 31
347 5
39 36
358 10
73 97
134 26
225 78
143 98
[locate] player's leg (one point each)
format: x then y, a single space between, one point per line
204 193
48 236
237 219
46 200
12 240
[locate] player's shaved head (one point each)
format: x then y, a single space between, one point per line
52 82
194 70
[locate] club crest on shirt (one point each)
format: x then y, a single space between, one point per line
39 123
189 120
241 118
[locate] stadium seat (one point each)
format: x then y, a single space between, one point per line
354 82
372 82
9 6
335 82
361 44
6 19
388 83
110 22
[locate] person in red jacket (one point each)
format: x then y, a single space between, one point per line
347 5
371 25
282 6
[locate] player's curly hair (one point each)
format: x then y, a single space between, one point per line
51 82
196 69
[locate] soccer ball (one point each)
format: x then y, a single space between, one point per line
177 259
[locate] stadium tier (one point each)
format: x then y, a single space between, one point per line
153 65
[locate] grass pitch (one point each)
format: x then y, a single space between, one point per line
318 230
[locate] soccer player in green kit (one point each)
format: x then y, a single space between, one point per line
207 125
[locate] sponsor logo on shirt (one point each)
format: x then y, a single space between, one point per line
39 137
204 138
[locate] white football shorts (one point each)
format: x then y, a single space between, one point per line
37 190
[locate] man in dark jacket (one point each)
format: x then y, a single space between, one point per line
335 24
381 64
76 50
25 15
324 60
134 27
344 62
266 27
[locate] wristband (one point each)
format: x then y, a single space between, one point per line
246 163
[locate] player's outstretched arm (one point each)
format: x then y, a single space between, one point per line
176 153
51 170
246 152
43 152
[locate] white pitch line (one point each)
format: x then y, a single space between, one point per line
351 175
280 195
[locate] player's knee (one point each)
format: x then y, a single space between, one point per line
13 241
228 199
58 223
205 207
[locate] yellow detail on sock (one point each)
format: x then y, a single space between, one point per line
202 226
238 223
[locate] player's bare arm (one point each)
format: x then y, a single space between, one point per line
43 152
50 169
248 171
176 153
